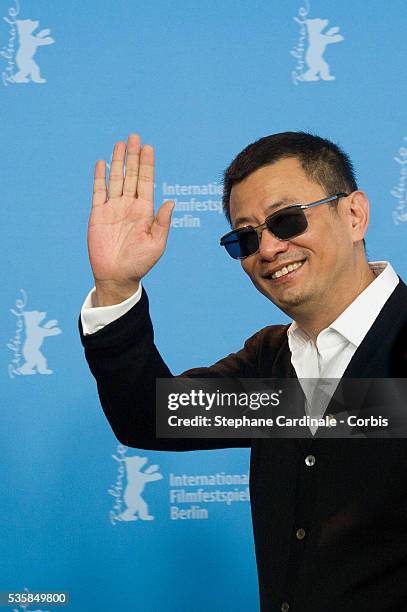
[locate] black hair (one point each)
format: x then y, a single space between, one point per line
322 161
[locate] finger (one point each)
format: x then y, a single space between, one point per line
115 186
132 165
162 222
145 182
99 183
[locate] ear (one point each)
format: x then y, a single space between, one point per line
358 212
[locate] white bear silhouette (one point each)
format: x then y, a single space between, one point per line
35 335
28 47
318 67
136 480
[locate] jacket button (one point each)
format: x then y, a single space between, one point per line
300 534
310 460
285 606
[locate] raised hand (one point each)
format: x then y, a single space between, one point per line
125 238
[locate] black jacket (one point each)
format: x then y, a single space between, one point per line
331 531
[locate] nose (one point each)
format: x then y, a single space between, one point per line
270 246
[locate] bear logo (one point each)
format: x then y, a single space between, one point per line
28 68
136 481
318 41
35 361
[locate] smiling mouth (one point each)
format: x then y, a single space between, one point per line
286 270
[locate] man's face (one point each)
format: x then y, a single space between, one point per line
325 249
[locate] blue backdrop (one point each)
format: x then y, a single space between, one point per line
199 81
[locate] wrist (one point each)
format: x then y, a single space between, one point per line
109 293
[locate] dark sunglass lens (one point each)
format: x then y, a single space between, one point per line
249 242
288 223
242 243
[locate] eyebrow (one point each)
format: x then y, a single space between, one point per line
284 201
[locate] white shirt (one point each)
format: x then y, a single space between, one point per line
94 318
335 346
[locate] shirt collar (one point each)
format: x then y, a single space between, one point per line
354 322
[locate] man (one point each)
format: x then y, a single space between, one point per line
329 515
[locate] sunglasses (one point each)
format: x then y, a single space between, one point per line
284 224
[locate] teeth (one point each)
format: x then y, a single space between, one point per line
287 269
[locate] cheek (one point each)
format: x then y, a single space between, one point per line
326 239
339 239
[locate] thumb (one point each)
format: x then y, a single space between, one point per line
162 221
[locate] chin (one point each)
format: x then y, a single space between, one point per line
287 303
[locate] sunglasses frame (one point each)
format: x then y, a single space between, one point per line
259 228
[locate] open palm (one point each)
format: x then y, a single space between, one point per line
125 238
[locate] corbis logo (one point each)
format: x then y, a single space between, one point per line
399 190
311 46
29 336
20 64
128 489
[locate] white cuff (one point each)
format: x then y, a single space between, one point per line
94 318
